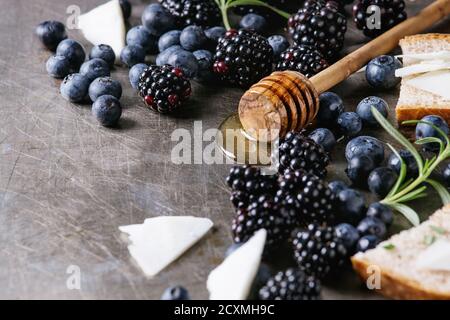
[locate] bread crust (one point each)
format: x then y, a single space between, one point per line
408 40
404 112
395 286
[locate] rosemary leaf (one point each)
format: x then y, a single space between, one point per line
402 174
441 190
399 137
407 212
439 130
417 193
431 140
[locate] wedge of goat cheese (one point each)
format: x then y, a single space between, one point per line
105 25
233 279
159 241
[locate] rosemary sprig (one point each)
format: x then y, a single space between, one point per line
404 191
224 5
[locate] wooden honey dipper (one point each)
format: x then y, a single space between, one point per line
287 100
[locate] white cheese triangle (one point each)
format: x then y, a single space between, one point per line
105 25
436 82
159 241
232 280
441 55
418 68
436 257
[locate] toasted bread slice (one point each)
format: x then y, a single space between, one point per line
396 259
414 103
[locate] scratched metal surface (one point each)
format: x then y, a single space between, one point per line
66 183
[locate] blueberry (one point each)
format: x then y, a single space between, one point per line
193 38
107 110
175 293
75 87
352 206
163 57
424 130
366 243
215 33
366 145
372 226
358 169
168 39
58 66
135 74
349 234
233 248
349 123
140 36
186 61
95 68
132 54
205 62
330 107
381 180
254 22
263 275
73 51
337 186
446 175
381 212
364 109
104 52
157 19
380 72
279 44
394 163
324 137
126 8
51 33
105 86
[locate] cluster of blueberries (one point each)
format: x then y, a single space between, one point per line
366 227
83 80
365 156
190 49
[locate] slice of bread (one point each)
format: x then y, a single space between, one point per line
396 259
413 103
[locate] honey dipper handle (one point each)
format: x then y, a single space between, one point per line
383 44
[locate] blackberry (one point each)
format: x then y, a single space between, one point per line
243 57
306 198
248 184
164 88
292 284
298 151
319 251
320 25
392 13
304 59
194 12
262 213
